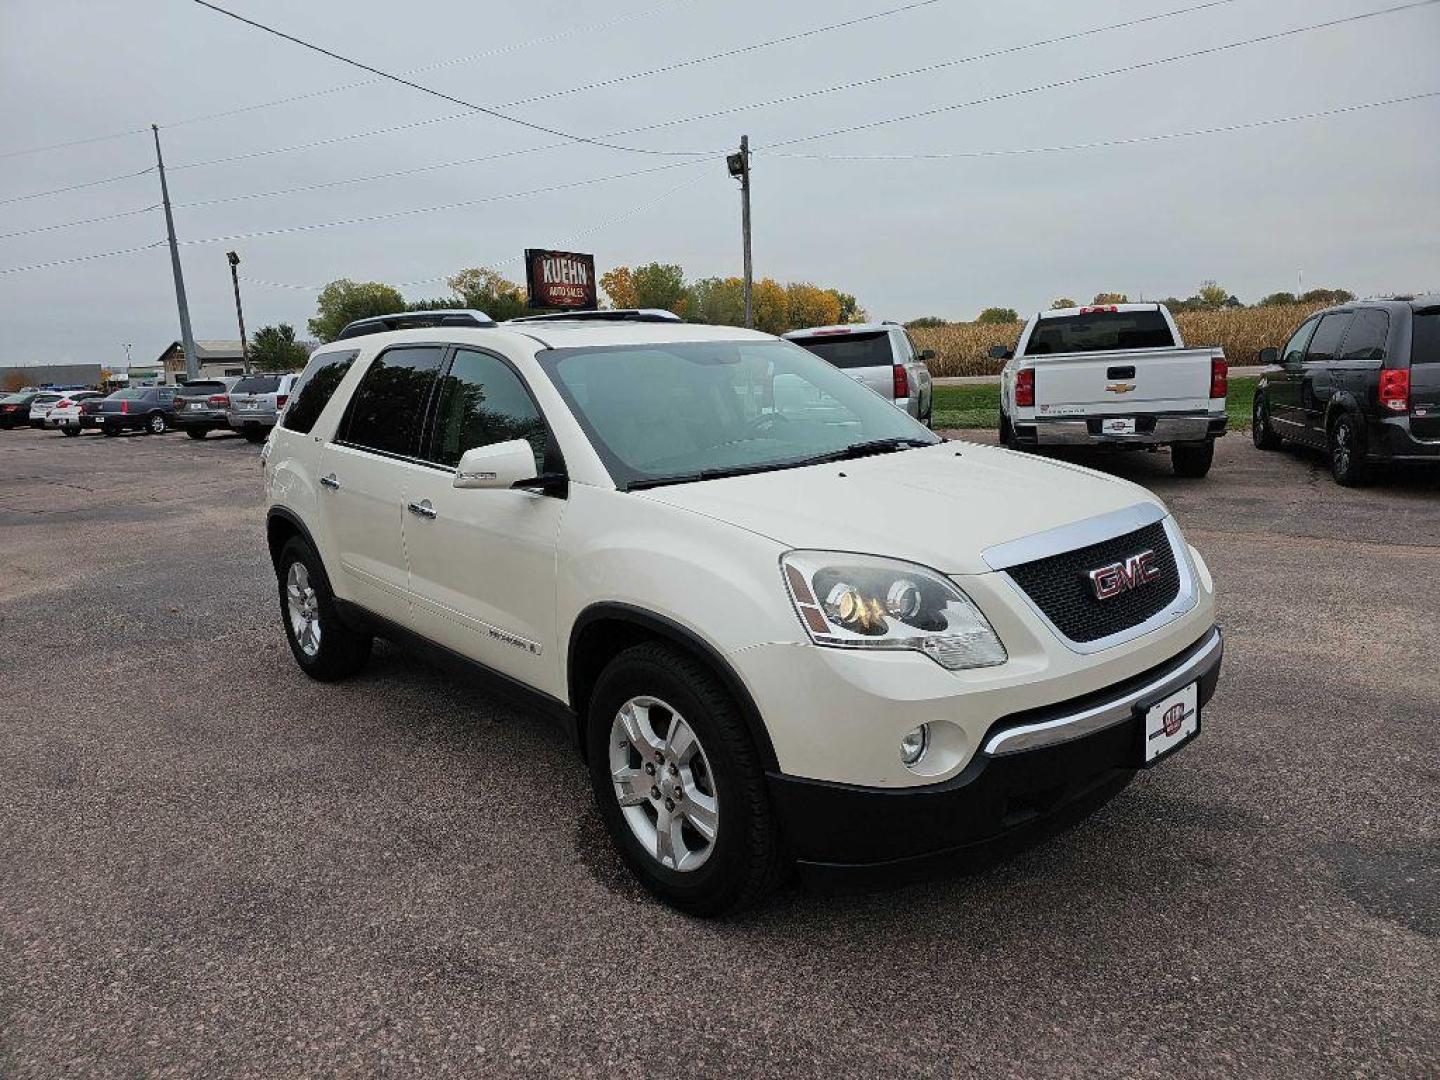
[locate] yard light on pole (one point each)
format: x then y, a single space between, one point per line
739 166
234 258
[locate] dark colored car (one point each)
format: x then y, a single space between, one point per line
200 405
140 408
1360 381
15 409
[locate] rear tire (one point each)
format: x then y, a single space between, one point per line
1192 460
197 433
110 431
1348 447
1007 433
743 859
325 648
1260 432
69 431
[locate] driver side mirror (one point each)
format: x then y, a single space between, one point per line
1000 352
499 465
1269 357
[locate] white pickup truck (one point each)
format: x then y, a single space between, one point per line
1113 375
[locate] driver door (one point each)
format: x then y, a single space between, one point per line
1283 385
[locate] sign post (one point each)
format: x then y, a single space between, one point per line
560 279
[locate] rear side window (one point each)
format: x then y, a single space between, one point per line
1367 337
482 401
313 391
257 384
389 404
1326 343
1100 331
1425 337
852 350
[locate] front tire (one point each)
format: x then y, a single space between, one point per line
1260 431
1347 452
325 648
1192 460
679 784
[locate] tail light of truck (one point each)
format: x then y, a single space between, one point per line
1395 389
901 379
219 401
280 400
1219 377
1025 388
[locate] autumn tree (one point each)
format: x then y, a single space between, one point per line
1211 295
274 348
619 286
808 306
771 306
1110 298
1062 302
997 316
344 301
488 290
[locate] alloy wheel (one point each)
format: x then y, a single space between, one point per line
303 607
664 784
1342 447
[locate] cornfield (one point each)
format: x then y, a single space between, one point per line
964 348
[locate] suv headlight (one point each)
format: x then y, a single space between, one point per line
865 602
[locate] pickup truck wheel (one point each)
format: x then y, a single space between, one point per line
1347 452
1260 432
1192 460
196 432
679 785
324 647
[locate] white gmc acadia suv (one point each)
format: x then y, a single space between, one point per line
787 624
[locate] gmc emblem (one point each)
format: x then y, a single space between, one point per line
1119 577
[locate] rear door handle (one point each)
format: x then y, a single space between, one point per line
330 482
422 509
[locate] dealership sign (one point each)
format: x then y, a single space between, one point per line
560 279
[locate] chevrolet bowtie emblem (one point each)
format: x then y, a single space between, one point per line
1120 387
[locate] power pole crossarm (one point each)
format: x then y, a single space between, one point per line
187 339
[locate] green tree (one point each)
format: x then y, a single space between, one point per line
997 316
1110 298
850 309
344 301
1327 296
659 285
1278 299
717 301
926 322
1211 295
274 348
1062 302
487 290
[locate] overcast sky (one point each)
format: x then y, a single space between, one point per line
1349 200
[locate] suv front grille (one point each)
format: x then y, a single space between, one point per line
1059 585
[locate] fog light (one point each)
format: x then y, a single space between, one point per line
914 745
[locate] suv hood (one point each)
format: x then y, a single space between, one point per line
940 505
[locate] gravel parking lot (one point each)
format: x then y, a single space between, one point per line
210 866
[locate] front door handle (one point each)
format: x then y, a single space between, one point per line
330 482
422 509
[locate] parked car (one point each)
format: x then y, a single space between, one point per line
40 406
1360 381
835 639
15 408
65 413
1116 376
200 405
256 403
148 409
880 356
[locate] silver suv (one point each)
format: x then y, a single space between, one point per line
879 355
256 402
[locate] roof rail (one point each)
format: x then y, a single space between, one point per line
412 320
613 315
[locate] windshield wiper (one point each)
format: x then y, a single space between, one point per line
866 449
854 450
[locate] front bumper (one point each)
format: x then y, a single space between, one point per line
1152 430
1032 767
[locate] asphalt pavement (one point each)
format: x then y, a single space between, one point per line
213 867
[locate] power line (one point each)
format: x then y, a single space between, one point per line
401 80
82 258
1131 141
82 221
1080 79
471 58
77 187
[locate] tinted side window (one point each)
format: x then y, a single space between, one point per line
1425 337
1326 343
1367 337
314 388
482 401
389 404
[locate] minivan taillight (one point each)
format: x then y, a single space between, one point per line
901 379
1395 389
1219 377
1025 388
219 401
280 400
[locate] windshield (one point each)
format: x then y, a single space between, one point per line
1099 331
673 412
870 349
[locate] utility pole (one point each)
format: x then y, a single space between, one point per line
187 339
739 165
239 314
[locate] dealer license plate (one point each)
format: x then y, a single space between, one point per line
1171 722
1118 426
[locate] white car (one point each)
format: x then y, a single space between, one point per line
41 405
785 623
65 413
